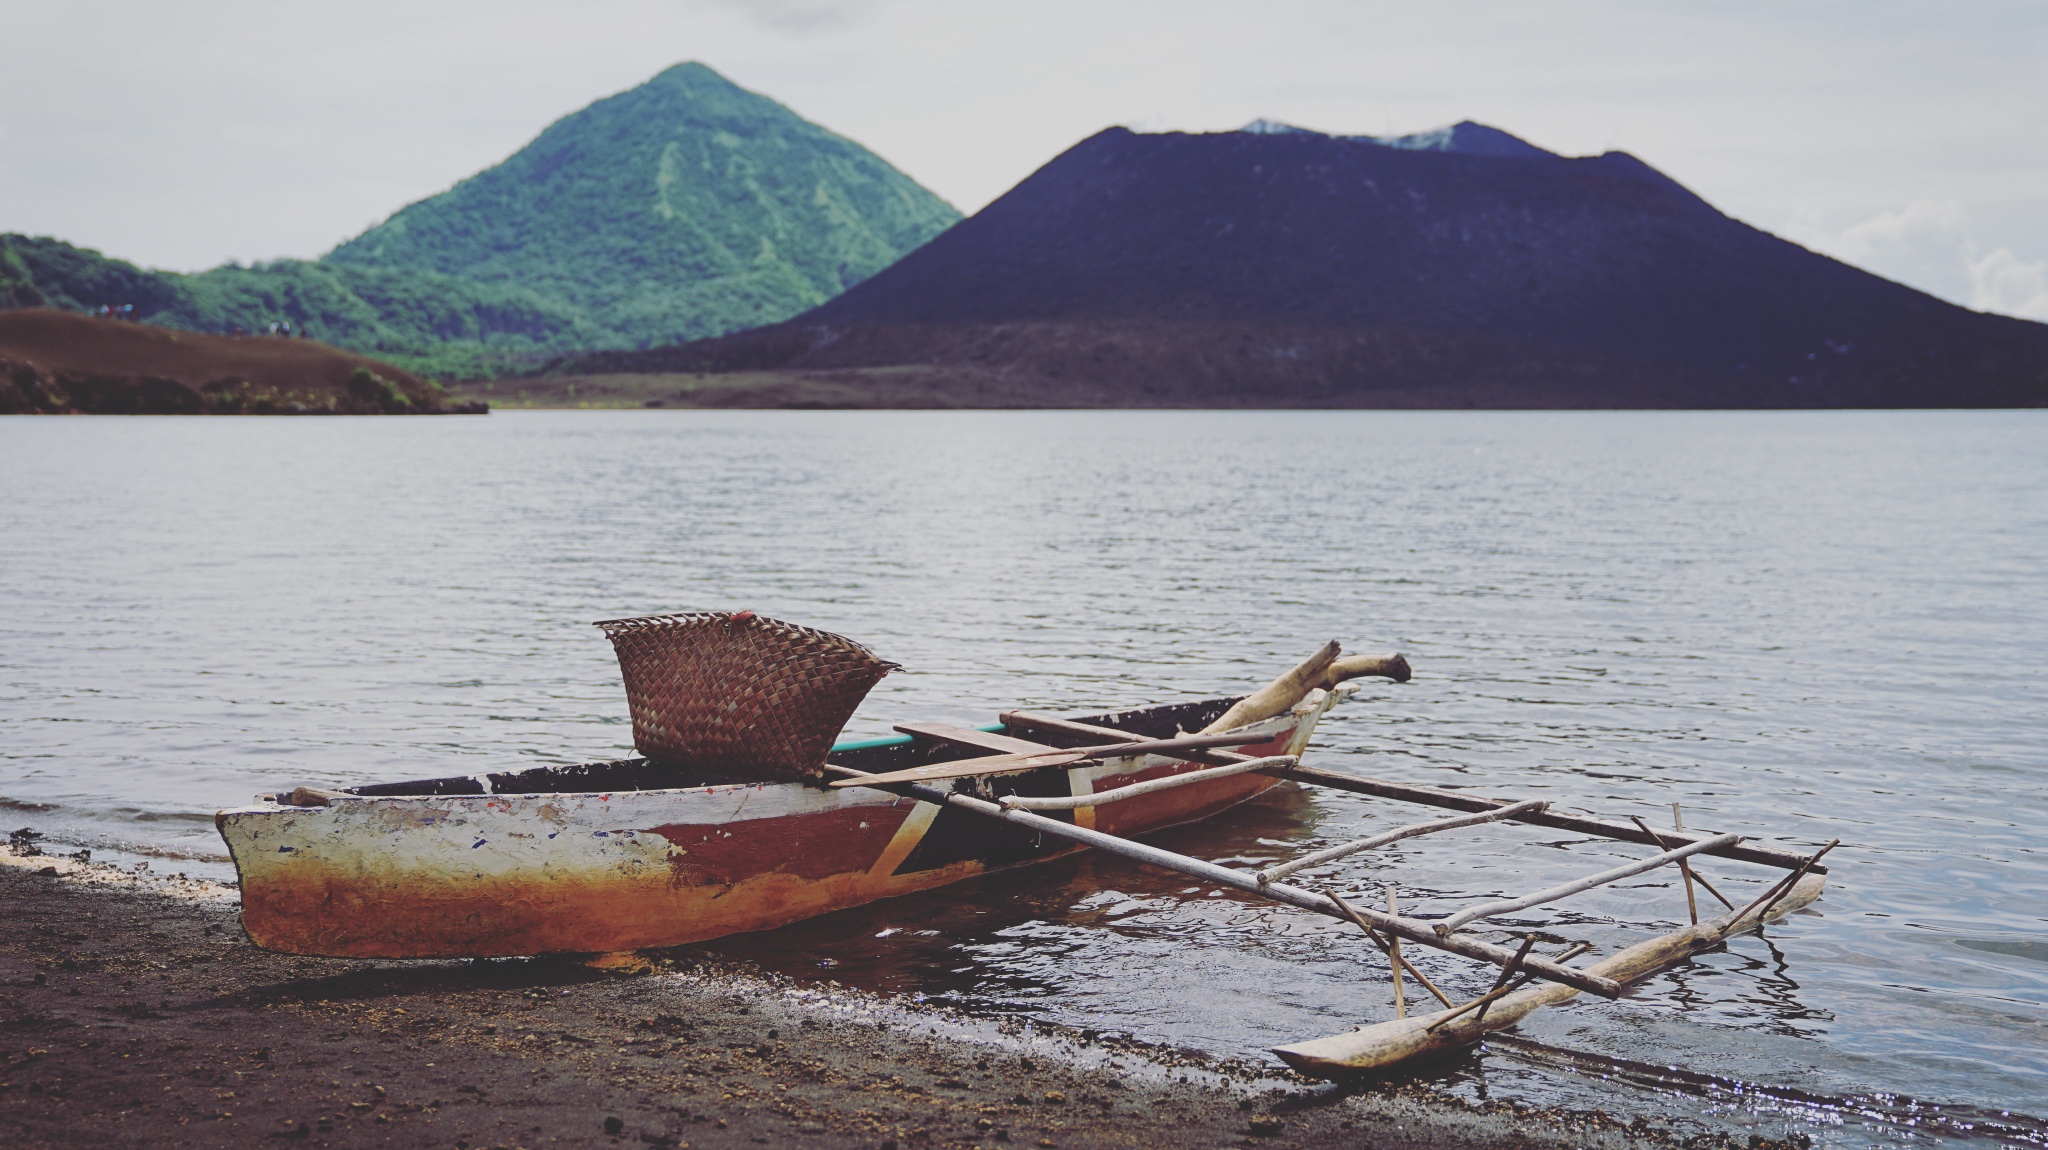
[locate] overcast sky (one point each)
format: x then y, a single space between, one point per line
1909 138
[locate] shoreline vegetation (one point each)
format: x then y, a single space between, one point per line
140 1015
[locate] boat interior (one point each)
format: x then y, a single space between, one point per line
891 753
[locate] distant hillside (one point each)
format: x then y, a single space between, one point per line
683 208
429 323
57 362
1280 267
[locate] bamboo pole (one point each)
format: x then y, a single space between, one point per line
1403 1040
1692 906
1150 786
1678 821
1412 929
1341 850
1506 973
1566 890
1786 883
1386 946
1459 801
1499 992
1394 953
1434 797
1018 762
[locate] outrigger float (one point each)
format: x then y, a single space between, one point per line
744 815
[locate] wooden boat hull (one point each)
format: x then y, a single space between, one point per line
451 875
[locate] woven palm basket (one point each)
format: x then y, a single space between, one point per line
737 694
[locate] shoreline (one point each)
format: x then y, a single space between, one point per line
136 1013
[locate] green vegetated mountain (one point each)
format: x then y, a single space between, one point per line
684 208
685 205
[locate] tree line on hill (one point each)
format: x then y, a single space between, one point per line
445 326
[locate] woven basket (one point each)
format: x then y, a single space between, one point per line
737 694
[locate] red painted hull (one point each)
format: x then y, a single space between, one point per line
420 876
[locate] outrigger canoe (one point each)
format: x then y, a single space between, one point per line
745 815
626 855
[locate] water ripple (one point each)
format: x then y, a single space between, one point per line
1799 625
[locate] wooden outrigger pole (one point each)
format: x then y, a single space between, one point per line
1412 929
1407 1036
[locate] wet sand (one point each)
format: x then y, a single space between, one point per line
134 1012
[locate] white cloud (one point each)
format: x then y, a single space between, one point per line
177 135
1929 244
2005 284
799 15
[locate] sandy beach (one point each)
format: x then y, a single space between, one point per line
133 1012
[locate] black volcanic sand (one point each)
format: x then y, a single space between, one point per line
882 388
1084 365
133 1012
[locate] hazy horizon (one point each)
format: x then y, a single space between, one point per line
1899 137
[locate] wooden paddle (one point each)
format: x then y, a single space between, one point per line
1050 757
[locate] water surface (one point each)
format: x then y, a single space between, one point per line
1801 626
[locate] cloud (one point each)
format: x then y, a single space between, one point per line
2005 284
799 15
1929 244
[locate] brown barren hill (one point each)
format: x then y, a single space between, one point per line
59 363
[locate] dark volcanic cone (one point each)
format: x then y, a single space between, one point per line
1290 268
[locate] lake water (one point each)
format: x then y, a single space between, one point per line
1802 626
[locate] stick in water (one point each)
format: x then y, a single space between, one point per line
1787 883
1385 947
1486 1001
1692 906
1508 972
1400 996
1678 821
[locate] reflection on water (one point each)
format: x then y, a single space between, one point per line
1800 625
2031 949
